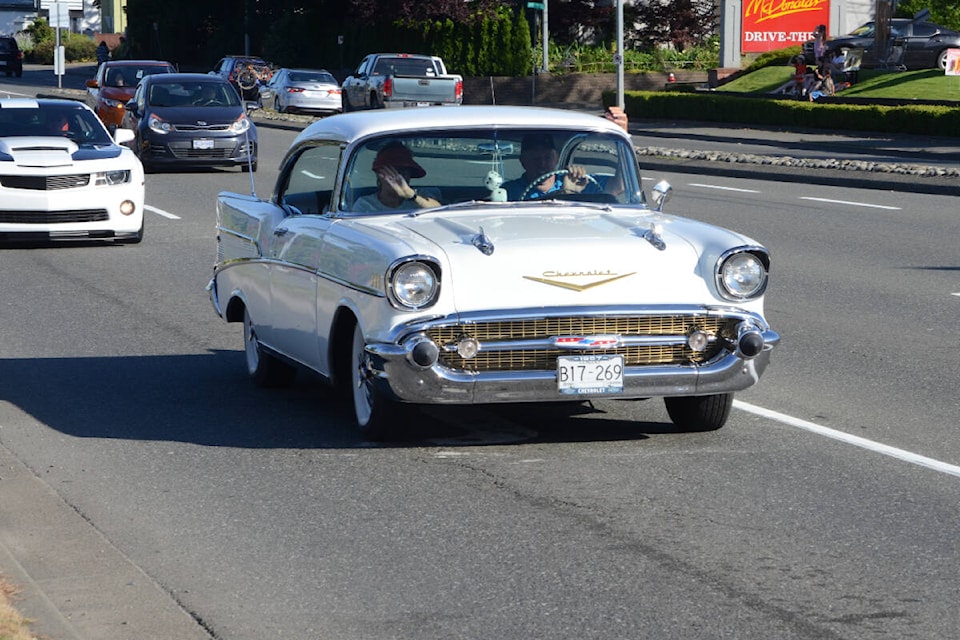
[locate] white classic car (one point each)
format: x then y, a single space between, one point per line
486 255
63 177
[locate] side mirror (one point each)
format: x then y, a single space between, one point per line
93 84
131 106
250 105
122 136
661 193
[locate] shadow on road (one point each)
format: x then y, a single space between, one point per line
208 400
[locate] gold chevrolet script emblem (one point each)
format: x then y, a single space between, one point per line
578 280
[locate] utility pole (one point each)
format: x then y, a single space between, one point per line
618 57
546 38
246 27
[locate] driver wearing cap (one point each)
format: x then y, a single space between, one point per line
395 168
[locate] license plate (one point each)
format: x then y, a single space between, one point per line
423 104
203 143
590 374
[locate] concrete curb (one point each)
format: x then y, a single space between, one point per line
76 584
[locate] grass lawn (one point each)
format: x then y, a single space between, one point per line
926 84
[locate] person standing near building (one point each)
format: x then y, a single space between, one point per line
103 53
819 44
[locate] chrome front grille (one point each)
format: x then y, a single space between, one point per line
204 127
45 183
663 337
53 217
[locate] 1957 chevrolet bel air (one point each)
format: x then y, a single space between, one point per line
487 255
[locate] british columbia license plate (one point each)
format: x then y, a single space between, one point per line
590 374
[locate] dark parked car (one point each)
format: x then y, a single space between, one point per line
245 73
11 58
912 44
191 119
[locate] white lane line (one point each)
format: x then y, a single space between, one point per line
714 186
854 204
160 212
856 441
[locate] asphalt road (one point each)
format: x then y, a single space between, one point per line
147 490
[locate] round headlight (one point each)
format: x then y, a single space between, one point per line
414 285
742 275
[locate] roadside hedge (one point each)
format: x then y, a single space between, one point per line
934 120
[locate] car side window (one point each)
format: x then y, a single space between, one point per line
311 178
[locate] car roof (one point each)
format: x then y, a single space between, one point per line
171 78
63 103
135 63
348 127
305 70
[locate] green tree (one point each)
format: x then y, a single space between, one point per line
41 31
945 13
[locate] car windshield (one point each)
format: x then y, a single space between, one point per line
192 94
129 76
863 31
65 121
312 76
492 165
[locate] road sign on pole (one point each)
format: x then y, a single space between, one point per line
59 15
535 5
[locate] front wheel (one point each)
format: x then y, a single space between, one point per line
377 417
265 369
699 413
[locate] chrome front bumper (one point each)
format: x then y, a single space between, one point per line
396 372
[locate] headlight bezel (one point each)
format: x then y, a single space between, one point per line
158 125
112 177
742 265
401 280
241 125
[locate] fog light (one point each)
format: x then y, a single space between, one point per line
127 207
467 347
698 340
425 353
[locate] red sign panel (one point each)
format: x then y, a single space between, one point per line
767 25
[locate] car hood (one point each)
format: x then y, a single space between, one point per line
194 115
121 94
567 256
52 151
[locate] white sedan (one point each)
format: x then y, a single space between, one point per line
487 255
63 177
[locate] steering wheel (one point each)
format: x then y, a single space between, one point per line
559 173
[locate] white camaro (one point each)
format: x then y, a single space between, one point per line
487 255
64 177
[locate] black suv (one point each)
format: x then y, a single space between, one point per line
11 58
245 73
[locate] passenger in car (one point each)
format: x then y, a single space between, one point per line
395 168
